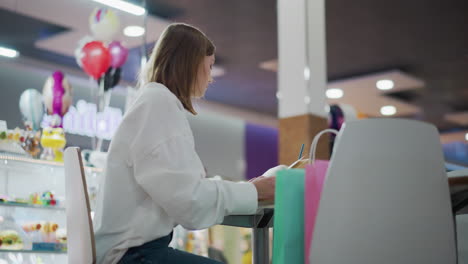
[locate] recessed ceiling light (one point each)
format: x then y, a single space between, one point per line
388 110
134 31
466 136
10 53
124 6
385 85
217 71
334 93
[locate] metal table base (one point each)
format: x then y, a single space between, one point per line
260 224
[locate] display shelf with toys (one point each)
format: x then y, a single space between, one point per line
33 251
32 208
26 205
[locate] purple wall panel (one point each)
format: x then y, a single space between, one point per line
261 149
456 152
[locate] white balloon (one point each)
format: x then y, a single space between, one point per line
78 54
349 112
104 24
31 107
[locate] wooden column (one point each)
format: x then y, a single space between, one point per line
298 130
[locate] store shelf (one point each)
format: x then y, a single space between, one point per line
22 205
34 251
11 157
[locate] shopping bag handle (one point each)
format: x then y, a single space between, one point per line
313 146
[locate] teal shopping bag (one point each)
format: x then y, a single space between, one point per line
288 230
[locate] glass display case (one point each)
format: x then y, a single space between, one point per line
33 217
32 209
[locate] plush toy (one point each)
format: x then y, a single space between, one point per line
53 141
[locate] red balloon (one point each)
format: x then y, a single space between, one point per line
95 58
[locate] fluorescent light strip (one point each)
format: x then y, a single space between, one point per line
134 31
124 6
10 53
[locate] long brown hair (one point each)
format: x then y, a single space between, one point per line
175 61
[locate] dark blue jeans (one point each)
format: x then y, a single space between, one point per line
158 252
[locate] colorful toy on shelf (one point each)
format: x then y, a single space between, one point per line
53 141
47 198
57 94
11 141
34 199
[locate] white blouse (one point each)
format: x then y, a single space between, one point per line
154 179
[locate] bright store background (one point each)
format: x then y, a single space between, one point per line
412 55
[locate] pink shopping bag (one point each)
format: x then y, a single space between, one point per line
315 173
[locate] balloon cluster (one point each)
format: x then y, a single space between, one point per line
56 99
100 61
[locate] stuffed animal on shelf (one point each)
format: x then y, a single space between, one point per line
53 141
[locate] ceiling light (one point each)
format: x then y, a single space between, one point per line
124 6
385 85
466 136
334 93
134 31
10 53
388 110
217 71
306 73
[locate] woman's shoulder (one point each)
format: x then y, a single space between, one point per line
159 104
158 91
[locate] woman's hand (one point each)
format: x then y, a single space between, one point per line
265 187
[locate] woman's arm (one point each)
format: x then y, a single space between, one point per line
173 176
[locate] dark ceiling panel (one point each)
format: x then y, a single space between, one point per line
160 9
425 38
25 32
